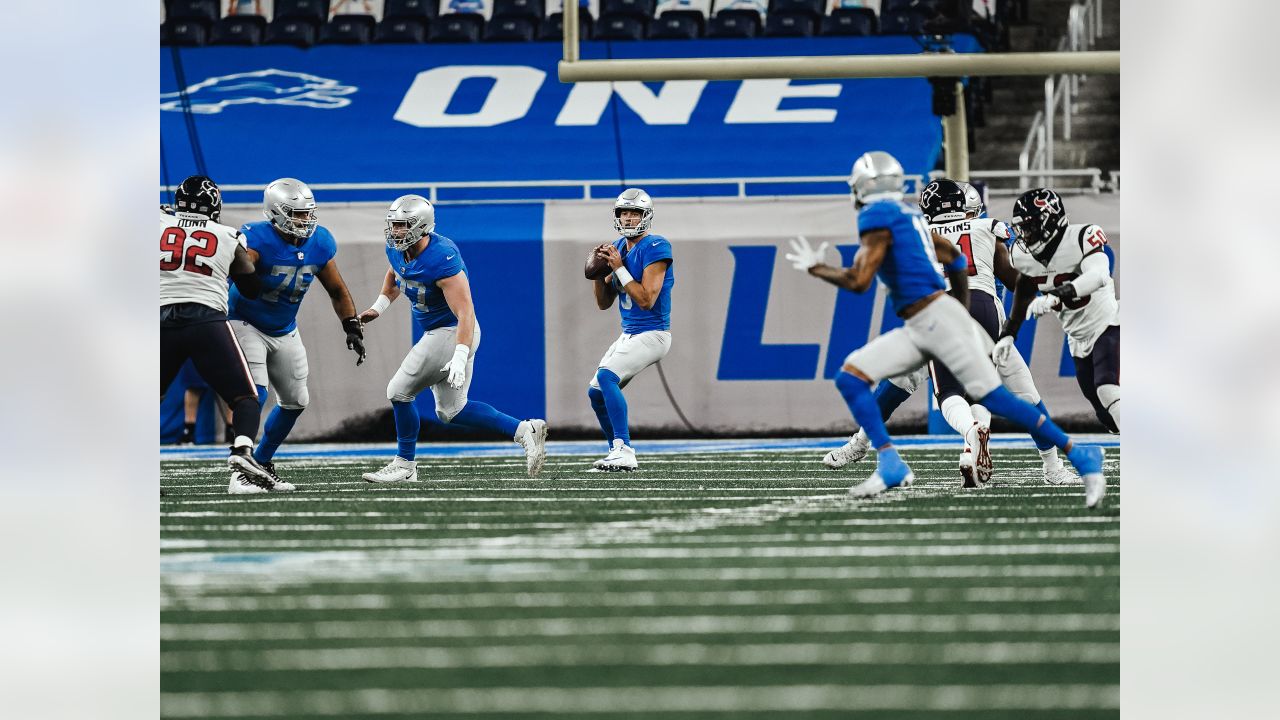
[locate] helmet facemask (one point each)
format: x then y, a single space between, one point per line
408 220
640 228
291 208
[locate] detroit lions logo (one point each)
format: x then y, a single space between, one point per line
263 87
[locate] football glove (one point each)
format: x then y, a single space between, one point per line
1042 305
355 337
803 255
1066 291
457 367
1000 353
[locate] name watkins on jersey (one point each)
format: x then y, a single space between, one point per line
514 88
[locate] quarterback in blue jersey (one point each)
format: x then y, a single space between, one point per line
290 249
898 248
641 281
428 268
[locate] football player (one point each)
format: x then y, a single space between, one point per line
430 269
291 249
197 255
1068 263
953 214
897 246
641 282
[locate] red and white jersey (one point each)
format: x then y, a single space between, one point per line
195 255
1084 318
976 238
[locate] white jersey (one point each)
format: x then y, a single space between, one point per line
976 238
1084 318
195 255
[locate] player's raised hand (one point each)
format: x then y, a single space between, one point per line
1000 353
803 255
457 367
355 338
1042 305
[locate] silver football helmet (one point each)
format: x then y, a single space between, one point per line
973 205
408 219
876 175
291 208
633 199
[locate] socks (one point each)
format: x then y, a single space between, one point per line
485 416
408 424
955 409
889 397
1050 459
615 404
245 417
1109 396
277 428
1041 444
1002 402
602 413
857 395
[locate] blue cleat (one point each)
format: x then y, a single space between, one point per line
1088 462
893 472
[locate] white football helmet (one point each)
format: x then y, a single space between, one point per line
876 175
291 208
633 199
973 205
408 219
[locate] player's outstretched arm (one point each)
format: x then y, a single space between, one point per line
875 245
345 309
390 291
243 275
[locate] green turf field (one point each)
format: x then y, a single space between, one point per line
743 585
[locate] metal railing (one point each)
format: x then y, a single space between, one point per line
1084 27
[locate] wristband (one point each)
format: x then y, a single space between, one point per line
461 351
623 276
381 304
959 263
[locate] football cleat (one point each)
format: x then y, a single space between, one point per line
983 458
848 453
969 458
241 459
891 473
1095 488
532 436
1088 462
277 485
242 484
622 458
1060 475
398 470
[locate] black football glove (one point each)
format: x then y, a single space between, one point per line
1066 291
355 337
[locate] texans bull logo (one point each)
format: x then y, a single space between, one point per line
262 87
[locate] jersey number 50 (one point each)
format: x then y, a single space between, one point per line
172 241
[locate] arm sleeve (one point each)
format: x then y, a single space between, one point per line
1094 271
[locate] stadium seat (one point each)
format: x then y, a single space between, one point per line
619 27
509 29
204 12
641 10
789 24
698 18
349 30
239 30
676 26
530 10
456 28
907 22
183 33
423 10
849 21
734 24
893 6
552 28
314 11
810 8
401 30
299 33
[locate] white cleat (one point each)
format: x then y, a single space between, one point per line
242 484
848 453
1095 488
620 459
1060 475
969 458
532 436
875 485
398 470
277 485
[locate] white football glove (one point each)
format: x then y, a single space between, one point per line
804 256
1000 353
1042 305
457 367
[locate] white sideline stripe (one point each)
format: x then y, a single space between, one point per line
588 597
649 625
566 701
657 655
871 522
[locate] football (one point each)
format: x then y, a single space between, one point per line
597 267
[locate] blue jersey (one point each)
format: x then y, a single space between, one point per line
651 249
286 271
910 267
417 278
